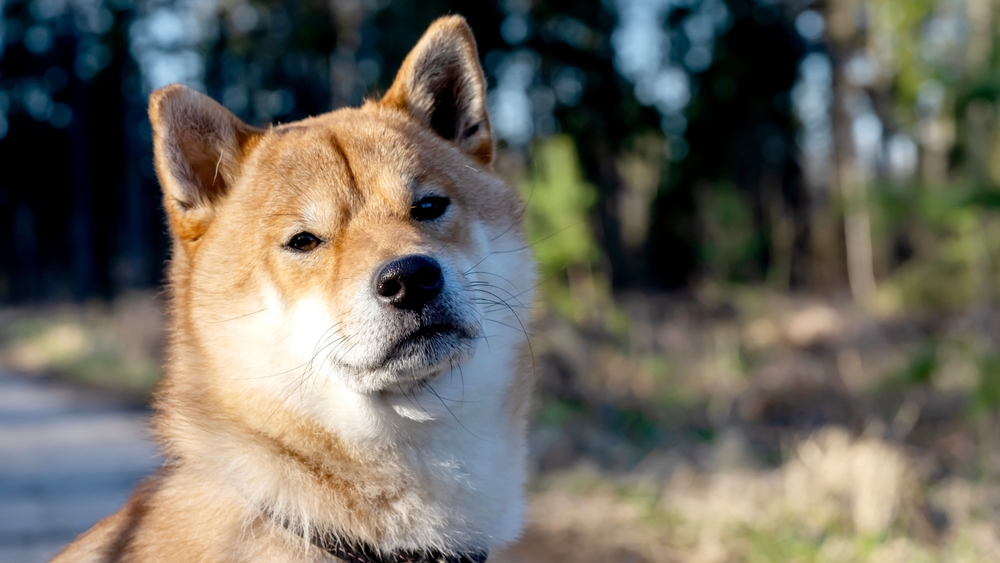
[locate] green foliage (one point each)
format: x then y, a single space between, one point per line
765 547
922 366
899 24
558 413
559 203
984 198
919 370
951 234
635 425
731 242
987 394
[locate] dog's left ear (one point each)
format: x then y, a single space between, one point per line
441 84
199 147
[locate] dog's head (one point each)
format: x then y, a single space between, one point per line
367 255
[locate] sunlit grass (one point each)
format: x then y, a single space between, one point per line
112 346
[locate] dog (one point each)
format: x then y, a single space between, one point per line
348 370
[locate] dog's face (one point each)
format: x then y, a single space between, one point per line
363 233
356 260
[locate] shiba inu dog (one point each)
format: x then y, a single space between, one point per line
348 370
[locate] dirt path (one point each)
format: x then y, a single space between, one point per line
67 459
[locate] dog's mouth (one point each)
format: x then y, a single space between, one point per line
420 355
430 332
431 344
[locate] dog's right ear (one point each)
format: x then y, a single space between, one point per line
199 148
441 85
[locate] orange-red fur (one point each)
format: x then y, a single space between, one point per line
243 423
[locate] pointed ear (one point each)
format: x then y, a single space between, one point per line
441 84
199 147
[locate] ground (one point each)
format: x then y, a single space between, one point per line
70 457
711 428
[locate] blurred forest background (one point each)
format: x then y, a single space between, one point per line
768 233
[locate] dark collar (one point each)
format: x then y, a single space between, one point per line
361 552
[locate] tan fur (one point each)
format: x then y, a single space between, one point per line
247 416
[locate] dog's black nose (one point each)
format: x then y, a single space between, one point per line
409 282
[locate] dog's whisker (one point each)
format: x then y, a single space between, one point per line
510 326
445 405
517 220
234 318
484 273
522 248
289 370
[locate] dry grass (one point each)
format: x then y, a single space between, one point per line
758 427
837 499
754 428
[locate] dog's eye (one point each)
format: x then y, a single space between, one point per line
304 242
429 208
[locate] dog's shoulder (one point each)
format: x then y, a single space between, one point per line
163 509
110 540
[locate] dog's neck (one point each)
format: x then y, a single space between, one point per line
442 484
359 552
